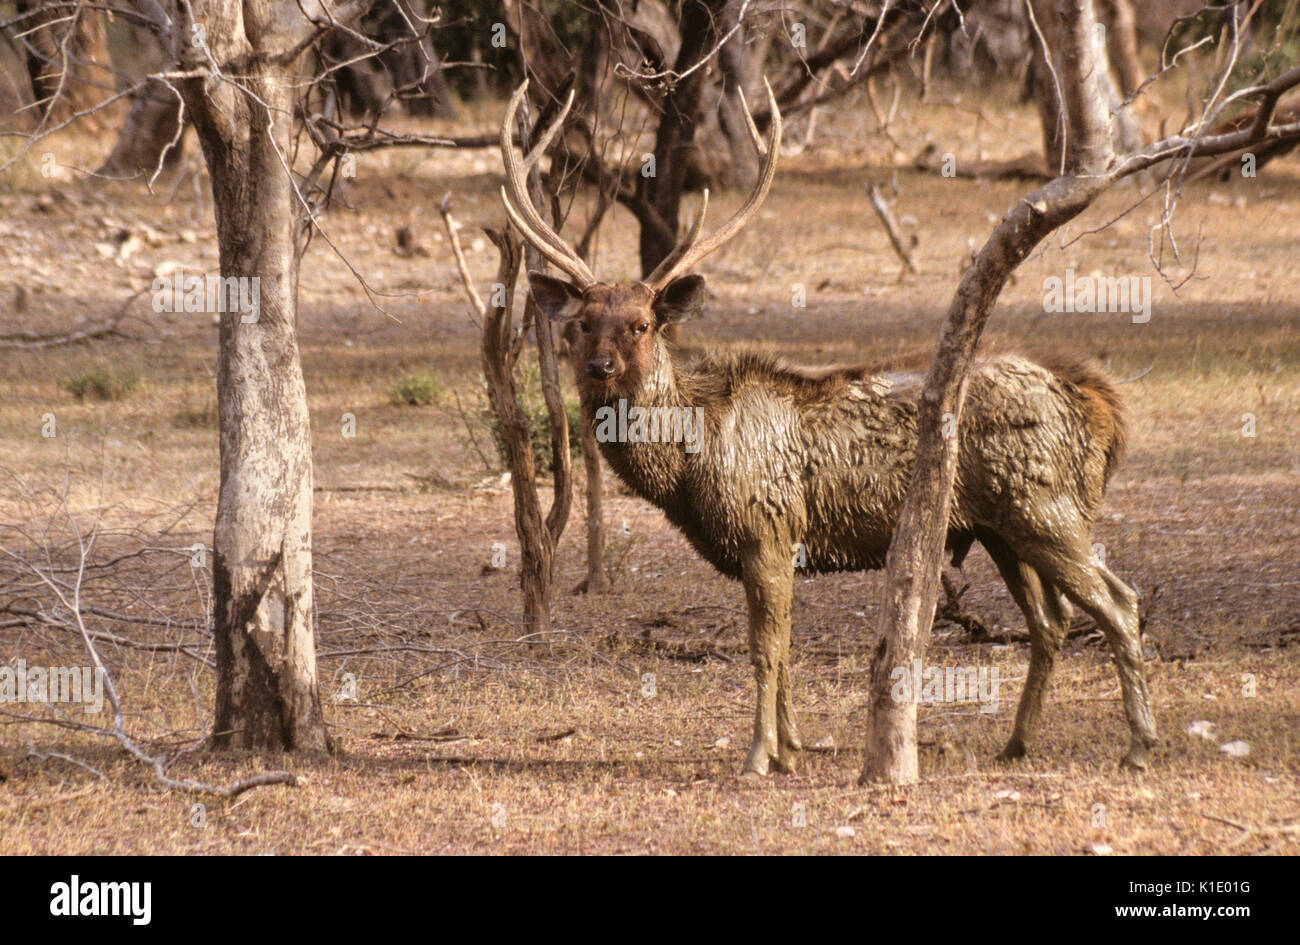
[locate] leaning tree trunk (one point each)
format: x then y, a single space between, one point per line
149 139
267 691
915 554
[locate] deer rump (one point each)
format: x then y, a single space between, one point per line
825 456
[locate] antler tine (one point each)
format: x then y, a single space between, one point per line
519 207
749 117
687 253
545 142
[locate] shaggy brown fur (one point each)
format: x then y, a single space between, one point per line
807 468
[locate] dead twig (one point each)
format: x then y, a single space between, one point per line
901 247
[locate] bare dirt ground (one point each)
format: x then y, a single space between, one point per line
465 738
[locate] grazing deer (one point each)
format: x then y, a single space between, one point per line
791 463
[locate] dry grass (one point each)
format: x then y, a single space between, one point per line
462 738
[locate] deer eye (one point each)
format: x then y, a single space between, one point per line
585 328
641 329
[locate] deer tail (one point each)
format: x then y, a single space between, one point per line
1103 411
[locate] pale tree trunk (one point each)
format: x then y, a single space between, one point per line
916 552
1048 81
267 691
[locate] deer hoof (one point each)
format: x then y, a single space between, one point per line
758 764
1137 759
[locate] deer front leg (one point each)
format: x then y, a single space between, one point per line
769 586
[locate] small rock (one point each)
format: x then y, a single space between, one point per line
1237 749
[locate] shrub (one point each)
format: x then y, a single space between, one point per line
202 417
102 383
528 382
417 390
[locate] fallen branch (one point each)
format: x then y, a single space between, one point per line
684 652
953 612
104 329
881 207
48 800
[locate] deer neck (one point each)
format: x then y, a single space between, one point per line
653 469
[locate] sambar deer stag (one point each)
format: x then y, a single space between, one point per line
791 462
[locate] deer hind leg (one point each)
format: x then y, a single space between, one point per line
769 587
1114 606
787 728
1046 615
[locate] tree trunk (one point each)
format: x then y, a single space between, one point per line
594 63
66 53
557 517
1121 32
733 62
916 551
597 582
1046 86
1127 134
414 65
151 127
675 138
500 351
267 691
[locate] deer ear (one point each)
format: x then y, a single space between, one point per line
680 299
557 298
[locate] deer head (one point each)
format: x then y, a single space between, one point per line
619 324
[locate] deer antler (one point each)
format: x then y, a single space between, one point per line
688 252
519 207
